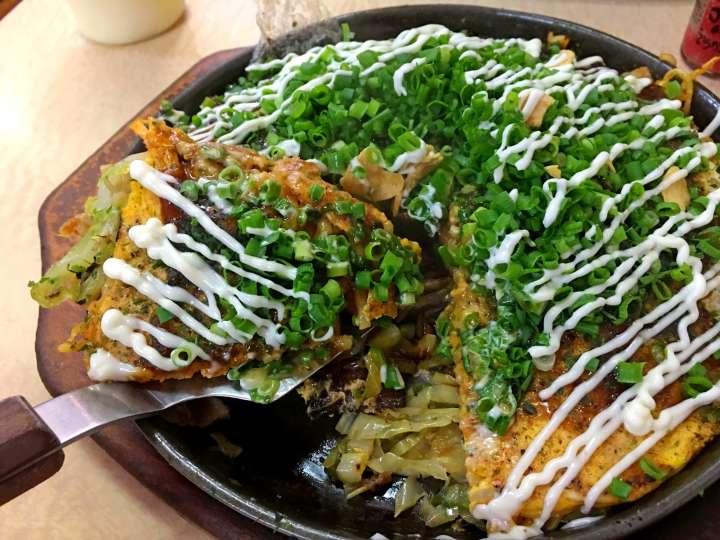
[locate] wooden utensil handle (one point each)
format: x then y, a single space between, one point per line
29 450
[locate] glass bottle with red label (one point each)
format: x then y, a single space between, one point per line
702 37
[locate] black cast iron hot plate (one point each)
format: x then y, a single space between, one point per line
279 480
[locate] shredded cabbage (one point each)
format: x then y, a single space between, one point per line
436 515
448 504
391 463
368 426
78 276
420 440
408 495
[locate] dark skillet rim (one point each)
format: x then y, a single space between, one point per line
700 473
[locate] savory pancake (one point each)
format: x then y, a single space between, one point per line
571 207
492 457
248 197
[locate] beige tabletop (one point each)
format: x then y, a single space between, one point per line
60 98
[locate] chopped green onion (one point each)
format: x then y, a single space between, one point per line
358 210
358 109
244 326
347 34
190 190
266 391
374 251
304 277
252 219
254 247
293 339
373 108
363 279
332 290
390 266
649 468
343 207
338 269
227 191
215 329
231 173
302 248
630 372
673 90
213 152
182 356
391 377
592 365
380 292
317 192
620 488
163 315
696 381
272 190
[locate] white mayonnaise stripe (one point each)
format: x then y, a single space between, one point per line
685 295
637 418
406 160
403 70
502 253
122 328
157 182
570 274
220 203
712 126
667 420
653 175
202 249
662 316
655 243
408 42
603 425
555 333
157 239
602 159
146 284
262 122
503 507
105 367
600 429
290 148
546 292
153 238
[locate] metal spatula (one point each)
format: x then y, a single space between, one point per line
31 439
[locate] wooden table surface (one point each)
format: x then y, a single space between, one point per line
61 96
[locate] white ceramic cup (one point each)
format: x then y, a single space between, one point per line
117 22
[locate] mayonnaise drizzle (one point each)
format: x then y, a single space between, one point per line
406 160
501 254
219 202
403 70
157 182
160 241
635 407
105 367
122 328
154 289
576 81
712 126
290 148
409 41
515 493
152 236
